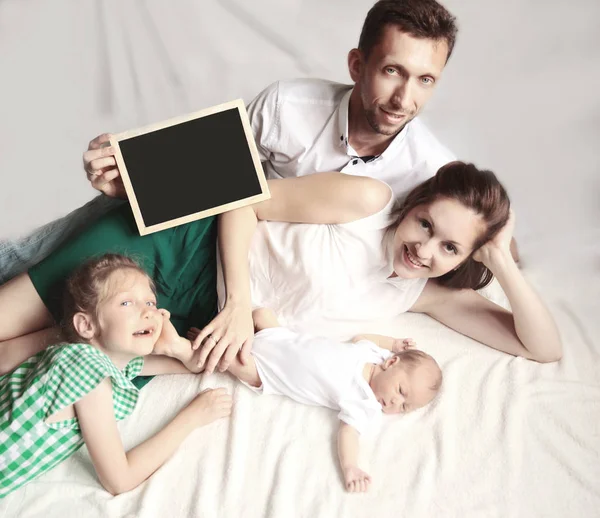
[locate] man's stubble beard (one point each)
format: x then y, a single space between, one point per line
372 120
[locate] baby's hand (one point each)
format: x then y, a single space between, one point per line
403 344
357 481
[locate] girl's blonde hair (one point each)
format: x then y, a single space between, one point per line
87 287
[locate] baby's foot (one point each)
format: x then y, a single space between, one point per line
192 333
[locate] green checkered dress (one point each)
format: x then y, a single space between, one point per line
46 383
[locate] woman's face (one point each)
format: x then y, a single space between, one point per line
433 239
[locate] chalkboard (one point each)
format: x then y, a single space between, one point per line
190 167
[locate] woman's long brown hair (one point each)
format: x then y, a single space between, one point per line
475 189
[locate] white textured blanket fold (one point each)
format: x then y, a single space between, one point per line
506 437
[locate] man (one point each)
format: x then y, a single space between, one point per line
308 126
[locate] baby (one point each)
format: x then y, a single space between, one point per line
362 379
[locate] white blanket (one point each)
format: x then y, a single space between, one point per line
507 437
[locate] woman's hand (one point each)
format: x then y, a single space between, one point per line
101 167
230 332
499 246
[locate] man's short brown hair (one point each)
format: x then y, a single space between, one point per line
425 19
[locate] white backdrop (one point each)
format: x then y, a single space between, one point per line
519 96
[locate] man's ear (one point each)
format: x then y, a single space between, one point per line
355 64
84 325
392 360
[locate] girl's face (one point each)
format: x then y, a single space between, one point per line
434 239
128 322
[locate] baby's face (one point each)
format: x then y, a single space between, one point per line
401 389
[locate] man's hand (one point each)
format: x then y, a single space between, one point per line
101 167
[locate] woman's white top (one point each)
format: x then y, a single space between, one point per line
308 273
319 371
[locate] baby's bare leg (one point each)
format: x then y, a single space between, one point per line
246 373
264 318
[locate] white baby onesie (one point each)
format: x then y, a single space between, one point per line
319 371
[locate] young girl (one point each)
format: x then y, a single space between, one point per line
73 393
372 375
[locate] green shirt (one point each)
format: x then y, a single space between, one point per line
46 383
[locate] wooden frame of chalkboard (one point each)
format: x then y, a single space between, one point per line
190 167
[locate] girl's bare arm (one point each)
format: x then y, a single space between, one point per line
120 471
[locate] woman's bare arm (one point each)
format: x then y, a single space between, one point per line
325 198
528 331
471 314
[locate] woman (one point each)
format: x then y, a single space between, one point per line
449 238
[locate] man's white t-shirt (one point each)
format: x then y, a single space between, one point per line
319 371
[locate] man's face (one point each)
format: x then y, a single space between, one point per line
398 78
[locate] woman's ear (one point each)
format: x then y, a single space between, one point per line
355 64
84 325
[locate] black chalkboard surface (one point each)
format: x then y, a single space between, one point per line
190 167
